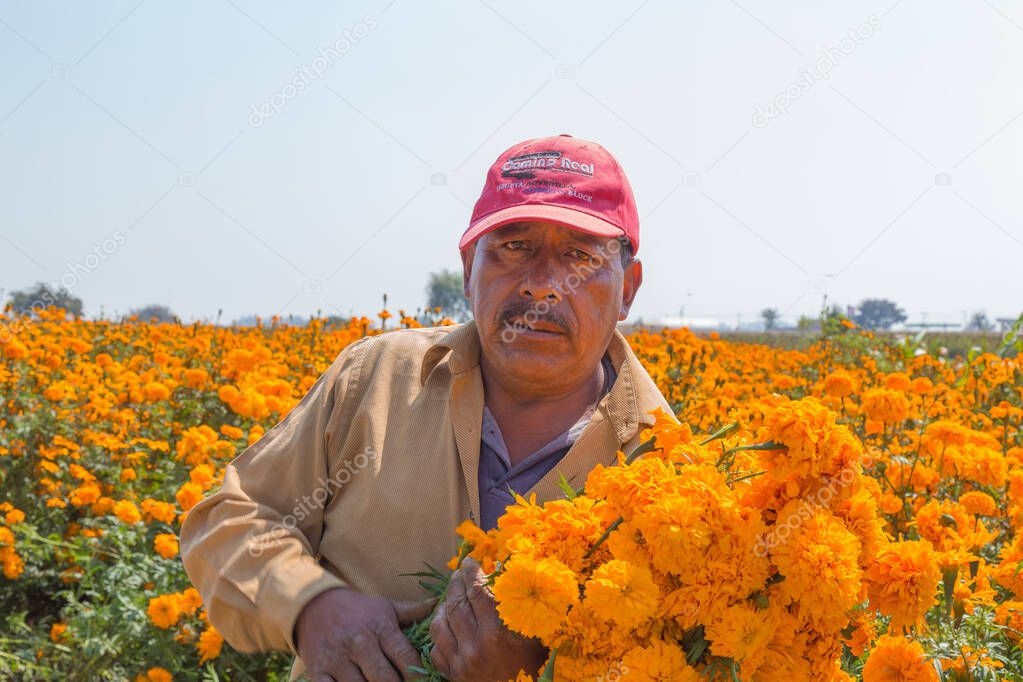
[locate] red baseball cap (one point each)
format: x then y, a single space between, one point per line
562 179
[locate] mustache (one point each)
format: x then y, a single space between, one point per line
530 313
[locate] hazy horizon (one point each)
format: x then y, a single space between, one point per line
264 159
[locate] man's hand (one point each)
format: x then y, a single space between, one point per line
346 636
470 643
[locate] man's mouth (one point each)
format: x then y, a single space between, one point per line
537 326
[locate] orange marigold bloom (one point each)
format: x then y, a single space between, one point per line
166 545
840 383
127 512
188 495
155 675
659 662
903 580
897 659
979 503
209 644
189 600
622 592
885 405
164 611
533 597
155 390
57 631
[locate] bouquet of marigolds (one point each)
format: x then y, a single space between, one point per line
755 554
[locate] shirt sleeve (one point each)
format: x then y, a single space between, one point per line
251 547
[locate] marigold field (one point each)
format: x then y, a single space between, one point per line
848 511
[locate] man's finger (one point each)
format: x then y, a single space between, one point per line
461 617
440 660
373 664
401 652
440 631
411 612
342 671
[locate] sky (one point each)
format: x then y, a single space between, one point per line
255 157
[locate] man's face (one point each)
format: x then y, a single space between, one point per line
546 299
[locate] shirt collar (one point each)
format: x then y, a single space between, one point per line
625 405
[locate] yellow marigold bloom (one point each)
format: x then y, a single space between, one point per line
209 644
659 662
188 495
903 580
743 634
622 592
166 545
164 611
840 383
533 597
127 512
128 475
897 659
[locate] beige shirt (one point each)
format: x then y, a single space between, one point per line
367 478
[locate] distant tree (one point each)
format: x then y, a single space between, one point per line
980 323
42 296
770 317
444 291
878 313
160 313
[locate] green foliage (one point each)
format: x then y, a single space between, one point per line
444 290
42 296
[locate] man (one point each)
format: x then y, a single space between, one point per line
410 432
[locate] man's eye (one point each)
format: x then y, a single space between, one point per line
579 254
515 245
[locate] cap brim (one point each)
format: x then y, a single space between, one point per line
577 220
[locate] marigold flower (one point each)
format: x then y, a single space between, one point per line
209 644
902 581
164 610
897 659
166 545
533 597
622 592
127 512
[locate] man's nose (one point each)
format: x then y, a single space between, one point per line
541 283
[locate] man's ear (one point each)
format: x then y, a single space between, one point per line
631 281
467 256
